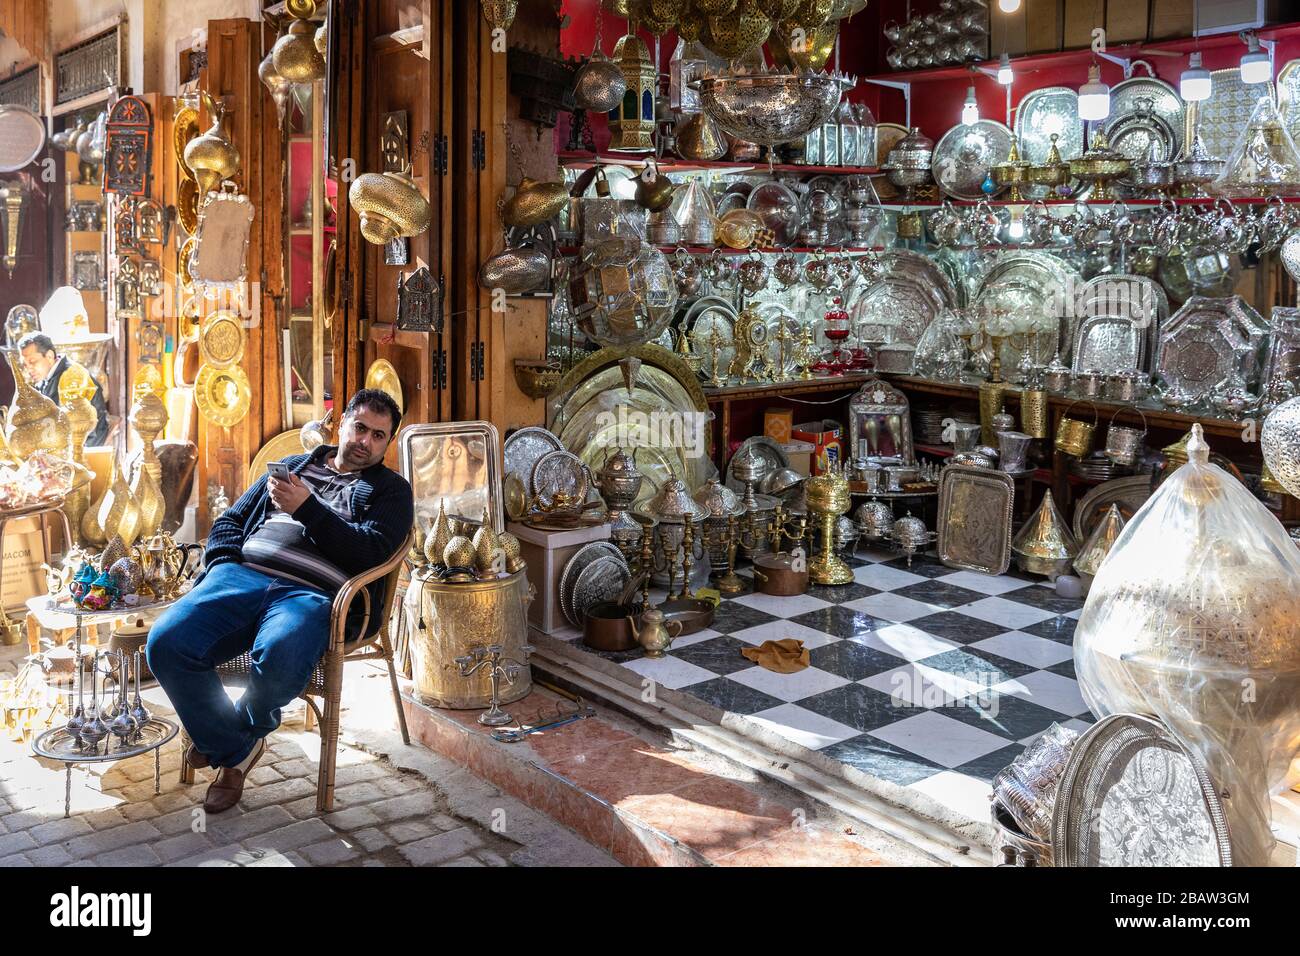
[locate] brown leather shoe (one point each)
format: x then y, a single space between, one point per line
196 758
224 792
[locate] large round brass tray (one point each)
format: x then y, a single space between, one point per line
281 446
383 376
223 395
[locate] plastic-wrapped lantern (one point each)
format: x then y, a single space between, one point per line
1194 618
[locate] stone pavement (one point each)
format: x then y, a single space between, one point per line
427 812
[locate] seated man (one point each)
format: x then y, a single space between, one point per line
45 366
274 563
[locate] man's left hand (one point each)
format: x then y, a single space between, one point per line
288 493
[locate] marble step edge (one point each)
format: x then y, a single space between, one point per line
899 813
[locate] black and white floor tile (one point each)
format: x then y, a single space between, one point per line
931 678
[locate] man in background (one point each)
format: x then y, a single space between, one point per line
45 366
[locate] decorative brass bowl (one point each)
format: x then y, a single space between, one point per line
1103 166
390 205
1054 172
537 379
1012 174
771 108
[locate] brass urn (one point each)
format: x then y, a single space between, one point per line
211 155
34 423
390 205
828 497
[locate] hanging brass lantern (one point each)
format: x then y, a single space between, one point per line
295 55
533 203
212 157
390 205
632 124
276 84
499 13
737 33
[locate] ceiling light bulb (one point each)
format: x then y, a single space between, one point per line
1094 97
970 110
1255 65
1004 70
1195 83
1008 6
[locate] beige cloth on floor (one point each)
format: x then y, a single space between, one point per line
785 656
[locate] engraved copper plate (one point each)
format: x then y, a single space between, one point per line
1134 795
965 155
602 580
975 519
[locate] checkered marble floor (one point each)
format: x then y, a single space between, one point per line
931 678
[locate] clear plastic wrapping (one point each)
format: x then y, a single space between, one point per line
1194 618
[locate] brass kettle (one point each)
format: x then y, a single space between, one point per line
655 635
211 155
654 191
534 203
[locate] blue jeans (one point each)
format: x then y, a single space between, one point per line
284 626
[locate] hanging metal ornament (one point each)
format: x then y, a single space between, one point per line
276 85
737 33
295 55
500 13
599 84
632 123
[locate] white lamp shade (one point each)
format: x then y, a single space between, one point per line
1256 68
1195 84
1094 97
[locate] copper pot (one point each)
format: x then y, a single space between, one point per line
608 627
775 575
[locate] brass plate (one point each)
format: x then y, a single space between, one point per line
183 265
185 126
187 206
888 135
331 283
281 446
221 340
975 519
383 376
223 395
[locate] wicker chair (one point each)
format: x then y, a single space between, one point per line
326 680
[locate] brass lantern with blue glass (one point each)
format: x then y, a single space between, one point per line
632 123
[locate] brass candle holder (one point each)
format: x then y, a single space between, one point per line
828 497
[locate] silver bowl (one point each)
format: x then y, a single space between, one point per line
771 108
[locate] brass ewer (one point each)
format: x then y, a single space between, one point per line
211 155
34 423
828 497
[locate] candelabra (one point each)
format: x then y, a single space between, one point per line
737 536
677 552
492 657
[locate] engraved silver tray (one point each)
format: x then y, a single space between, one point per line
1052 109
1041 284
1288 97
1208 340
965 154
575 566
1108 343
975 506
1126 97
1129 494
602 580
905 301
1134 795
558 471
1137 297
1223 117
525 447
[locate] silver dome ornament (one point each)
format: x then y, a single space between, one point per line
911 535
1279 440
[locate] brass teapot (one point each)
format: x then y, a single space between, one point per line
654 634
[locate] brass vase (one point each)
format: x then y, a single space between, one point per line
149 499
118 514
828 497
81 421
148 417
34 423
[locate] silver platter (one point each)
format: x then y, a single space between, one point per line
602 580
1288 97
965 155
975 518
1032 283
575 566
708 314
771 454
1211 337
1133 135
558 471
525 447
1134 795
1137 297
1052 109
1126 99
901 306
1222 118
1129 494
1108 343
59 744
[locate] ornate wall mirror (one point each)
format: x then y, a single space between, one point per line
880 423
220 256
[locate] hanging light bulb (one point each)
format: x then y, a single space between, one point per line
1005 76
1008 6
1195 83
970 110
1094 97
1256 67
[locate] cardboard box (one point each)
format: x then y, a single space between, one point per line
777 423
800 455
1081 18
24 553
827 439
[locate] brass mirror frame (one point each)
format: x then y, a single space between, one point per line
225 220
878 397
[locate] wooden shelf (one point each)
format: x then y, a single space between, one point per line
669 164
728 251
825 383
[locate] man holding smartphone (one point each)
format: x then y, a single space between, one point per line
273 564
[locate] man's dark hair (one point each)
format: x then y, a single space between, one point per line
376 400
44 344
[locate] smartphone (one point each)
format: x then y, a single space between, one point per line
277 469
